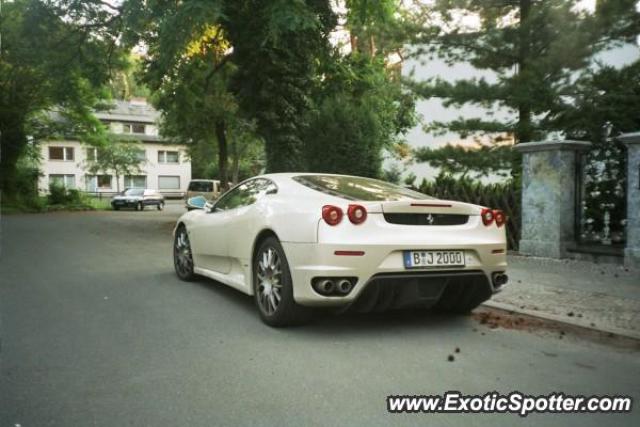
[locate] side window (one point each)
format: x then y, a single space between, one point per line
246 194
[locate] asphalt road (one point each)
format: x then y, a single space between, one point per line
96 329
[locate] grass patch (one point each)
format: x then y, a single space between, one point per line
43 204
98 204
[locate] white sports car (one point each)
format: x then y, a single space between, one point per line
296 241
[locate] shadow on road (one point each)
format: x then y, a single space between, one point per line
326 322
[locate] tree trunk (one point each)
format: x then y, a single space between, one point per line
524 127
221 135
235 158
372 46
353 39
12 143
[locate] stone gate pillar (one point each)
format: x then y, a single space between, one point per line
632 250
549 196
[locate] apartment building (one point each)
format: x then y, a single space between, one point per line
165 166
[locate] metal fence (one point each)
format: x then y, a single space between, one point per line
601 194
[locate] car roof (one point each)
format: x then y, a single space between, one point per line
284 176
284 180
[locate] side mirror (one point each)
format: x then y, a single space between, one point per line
197 202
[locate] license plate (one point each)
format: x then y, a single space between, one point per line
425 259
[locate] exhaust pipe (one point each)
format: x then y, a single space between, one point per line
326 286
500 279
344 286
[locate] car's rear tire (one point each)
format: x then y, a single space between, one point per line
116 208
160 206
273 287
182 255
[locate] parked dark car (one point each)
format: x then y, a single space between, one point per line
138 199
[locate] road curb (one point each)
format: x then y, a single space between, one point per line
563 320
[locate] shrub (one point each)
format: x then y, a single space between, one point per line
58 195
504 196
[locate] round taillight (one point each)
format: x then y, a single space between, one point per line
487 216
499 217
332 215
357 214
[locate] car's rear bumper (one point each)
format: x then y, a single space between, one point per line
382 266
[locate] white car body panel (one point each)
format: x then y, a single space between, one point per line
222 243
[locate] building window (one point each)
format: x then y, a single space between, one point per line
169 182
141 155
61 153
66 181
135 181
133 128
103 181
168 157
92 154
95 182
91 182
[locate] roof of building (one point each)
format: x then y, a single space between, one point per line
135 111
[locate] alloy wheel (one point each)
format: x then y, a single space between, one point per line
269 274
183 259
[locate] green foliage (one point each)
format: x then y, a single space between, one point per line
226 71
603 98
120 157
376 27
277 48
360 112
345 139
125 84
198 107
393 174
59 195
475 161
504 196
53 53
410 180
544 41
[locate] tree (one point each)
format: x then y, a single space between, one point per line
360 112
219 66
197 106
603 103
125 83
120 157
360 107
533 47
477 161
277 46
52 54
187 67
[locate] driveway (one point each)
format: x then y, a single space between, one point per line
97 330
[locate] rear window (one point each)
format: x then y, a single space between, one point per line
357 188
203 186
134 192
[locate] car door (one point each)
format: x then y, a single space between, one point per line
247 220
149 198
210 235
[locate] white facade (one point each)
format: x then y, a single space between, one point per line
165 167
